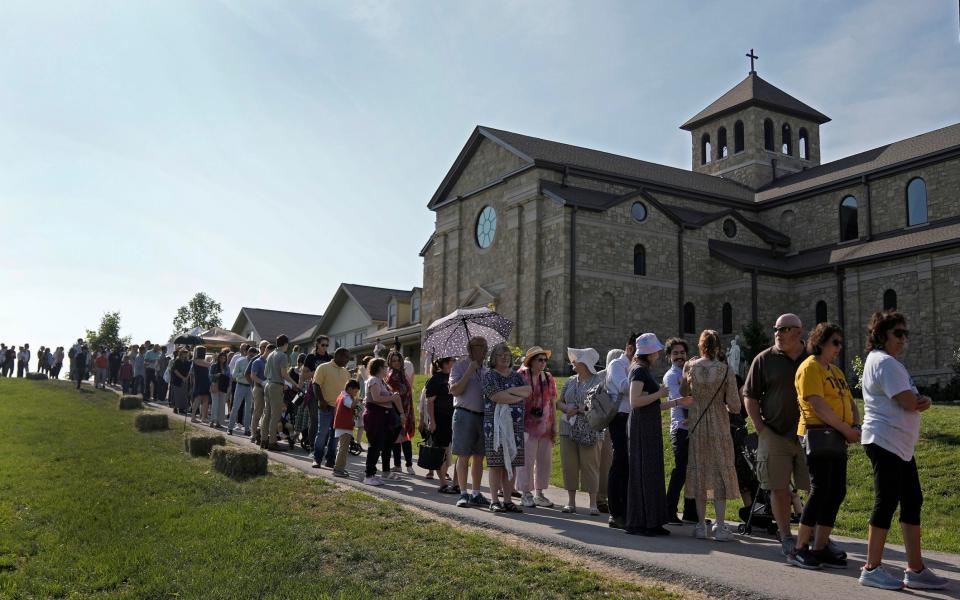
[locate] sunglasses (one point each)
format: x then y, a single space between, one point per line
783 329
901 333
541 359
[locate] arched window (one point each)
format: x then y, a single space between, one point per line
916 201
727 318
639 260
889 300
722 142
689 318
705 149
738 137
848 219
804 143
768 135
787 219
821 312
786 140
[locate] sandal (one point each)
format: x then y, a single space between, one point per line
511 507
568 509
448 489
497 507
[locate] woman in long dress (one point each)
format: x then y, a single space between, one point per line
711 469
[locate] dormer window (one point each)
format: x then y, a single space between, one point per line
415 309
392 315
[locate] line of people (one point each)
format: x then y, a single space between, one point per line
479 408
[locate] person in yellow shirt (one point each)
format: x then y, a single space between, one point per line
825 403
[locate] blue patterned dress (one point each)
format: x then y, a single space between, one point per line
494 382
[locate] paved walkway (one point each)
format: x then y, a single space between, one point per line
749 567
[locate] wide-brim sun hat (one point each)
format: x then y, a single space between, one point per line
648 343
587 356
534 352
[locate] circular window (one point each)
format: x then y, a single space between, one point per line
730 228
486 227
638 211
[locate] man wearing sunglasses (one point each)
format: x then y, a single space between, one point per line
771 400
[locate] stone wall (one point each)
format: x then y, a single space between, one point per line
752 166
888 195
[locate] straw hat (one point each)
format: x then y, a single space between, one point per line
535 351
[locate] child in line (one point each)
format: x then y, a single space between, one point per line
343 425
126 375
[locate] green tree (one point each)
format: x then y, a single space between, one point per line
755 341
108 334
202 311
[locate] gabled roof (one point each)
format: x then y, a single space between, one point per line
374 300
270 323
754 91
600 201
556 155
851 167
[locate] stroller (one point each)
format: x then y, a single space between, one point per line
760 512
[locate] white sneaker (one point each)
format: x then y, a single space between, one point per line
410 471
700 531
394 475
374 480
924 580
880 578
541 500
527 500
722 533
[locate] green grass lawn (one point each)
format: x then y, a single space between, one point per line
89 508
938 455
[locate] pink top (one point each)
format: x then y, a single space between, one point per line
544 395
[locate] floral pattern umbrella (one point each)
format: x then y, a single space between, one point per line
449 336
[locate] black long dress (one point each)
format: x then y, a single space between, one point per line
647 498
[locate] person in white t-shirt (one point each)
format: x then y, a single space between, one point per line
891 428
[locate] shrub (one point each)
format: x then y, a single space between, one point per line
200 444
130 402
238 463
755 341
151 422
37 376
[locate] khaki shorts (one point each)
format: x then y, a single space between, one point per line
780 458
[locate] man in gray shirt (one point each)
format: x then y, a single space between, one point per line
466 387
770 396
276 374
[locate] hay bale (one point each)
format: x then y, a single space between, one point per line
130 402
37 376
151 422
200 444
239 463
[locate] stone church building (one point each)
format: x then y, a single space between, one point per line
579 247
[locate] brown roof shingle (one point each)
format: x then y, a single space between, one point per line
754 91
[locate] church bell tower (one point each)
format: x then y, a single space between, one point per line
755 133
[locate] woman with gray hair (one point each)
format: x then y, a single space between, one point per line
579 454
504 391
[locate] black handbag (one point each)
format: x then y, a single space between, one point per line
823 441
430 457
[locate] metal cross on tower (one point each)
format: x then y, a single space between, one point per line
752 58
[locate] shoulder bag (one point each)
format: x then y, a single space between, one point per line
601 409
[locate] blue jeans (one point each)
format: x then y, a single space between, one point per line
242 395
325 437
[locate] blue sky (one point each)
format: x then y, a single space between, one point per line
267 152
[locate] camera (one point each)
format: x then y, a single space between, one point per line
537 411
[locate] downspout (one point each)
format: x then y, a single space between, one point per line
572 334
680 279
517 303
866 183
841 309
